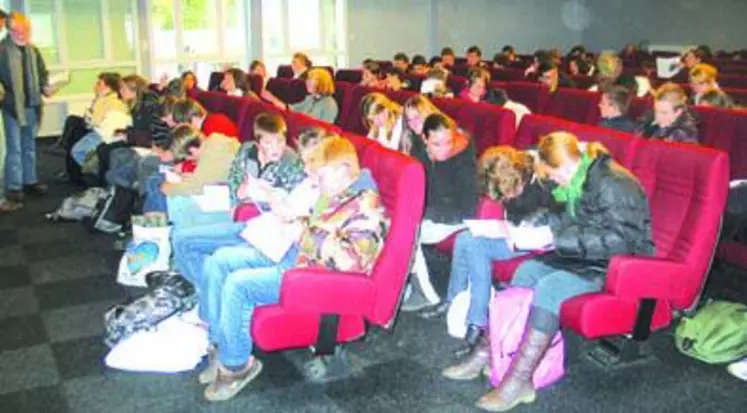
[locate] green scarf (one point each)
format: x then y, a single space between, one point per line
572 192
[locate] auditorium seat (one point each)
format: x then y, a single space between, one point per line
349 75
413 82
456 83
583 81
532 94
573 104
288 90
285 71
215 80
256 83
353 117
236 108
343 94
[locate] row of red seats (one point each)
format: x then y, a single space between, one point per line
686 185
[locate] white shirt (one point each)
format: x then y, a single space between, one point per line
392 142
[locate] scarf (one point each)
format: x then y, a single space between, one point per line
24 76
571 193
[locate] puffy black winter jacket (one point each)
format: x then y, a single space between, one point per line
612 218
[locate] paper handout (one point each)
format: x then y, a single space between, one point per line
522 238
271 235
58 80
214 198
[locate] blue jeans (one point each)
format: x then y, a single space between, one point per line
184 212
471 266
155 200
87 144
237 280
192 246
20 146
552 286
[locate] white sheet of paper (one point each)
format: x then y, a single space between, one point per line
59 79
488 228
737 182
531 238
214 198
172 176
667 67
270 235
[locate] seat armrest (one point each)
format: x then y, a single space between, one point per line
323 291
645 277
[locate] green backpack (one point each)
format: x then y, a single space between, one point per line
716 334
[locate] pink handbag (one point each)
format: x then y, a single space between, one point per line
509 311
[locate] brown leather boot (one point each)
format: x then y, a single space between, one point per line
517 387
471 367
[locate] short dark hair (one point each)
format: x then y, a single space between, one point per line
474 49
395 71
255 64
508 48
434 60
372 67
110 79
270 123
447 51
497 96
184 110
402 57
419 59
619 96
437 121
476 73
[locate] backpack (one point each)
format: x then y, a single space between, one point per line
509 313
113 212
716 334
173 295
79 206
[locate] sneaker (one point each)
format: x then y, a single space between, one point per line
36 189
14 196
738 369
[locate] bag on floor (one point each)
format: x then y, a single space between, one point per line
716 334
149 251
114 211
509 313
79 206
175 295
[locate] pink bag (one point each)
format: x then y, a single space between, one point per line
509 311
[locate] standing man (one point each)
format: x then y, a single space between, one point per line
23 81
5 205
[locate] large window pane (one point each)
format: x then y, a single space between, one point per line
44 31
122 25
304 24
83 21
164 35
273 34
82 80
200 27
235 34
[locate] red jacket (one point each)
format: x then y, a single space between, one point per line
219 123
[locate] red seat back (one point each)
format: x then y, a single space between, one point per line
686 187
353 120
639 107
573 104
733 81
256 83
739 96
414 82
349 75
236 108
288 90
401 182
285 71
724 129
456 83
343 94
532 95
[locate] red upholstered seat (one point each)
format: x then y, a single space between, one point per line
236 108
413 82
306 295
532 94
583 81
573 104
639 107
352 118
285 71
288 90
343 94
256 83
456 83
349 75
738 95
733 81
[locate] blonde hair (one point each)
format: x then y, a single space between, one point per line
325 85
703 73
609 64
672 93
557 147
373 104
138 85
334 150
503 170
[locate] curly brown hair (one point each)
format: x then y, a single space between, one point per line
503 171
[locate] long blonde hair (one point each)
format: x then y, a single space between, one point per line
554 149
425 108
374 104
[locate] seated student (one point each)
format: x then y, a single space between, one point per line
434 84
383 117
448 57
672 121
416 110
498 96
477 85
451 197
234 84
213 159
474 57
301 64
401 62
579 67
257 67
716 98
320 101
606 214
435 63
508 176
345 232
702 79
610 72
510 57
106 115
193 245
613 108
540 57
189 111
371 75
395 79
549 74
189 80
419 65
147 126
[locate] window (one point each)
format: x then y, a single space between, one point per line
42 14
314 27
83 22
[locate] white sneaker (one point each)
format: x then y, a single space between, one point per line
738 369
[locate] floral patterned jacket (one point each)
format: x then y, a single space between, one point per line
347 232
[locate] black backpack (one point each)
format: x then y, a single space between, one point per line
113 213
